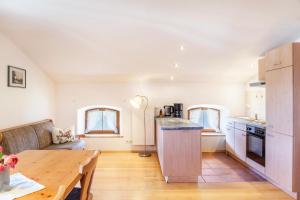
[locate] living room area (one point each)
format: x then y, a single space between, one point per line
133 99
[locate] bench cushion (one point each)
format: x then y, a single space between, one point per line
20 139
76 145
44 133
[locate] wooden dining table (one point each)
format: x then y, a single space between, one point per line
51 168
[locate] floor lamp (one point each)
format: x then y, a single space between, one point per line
137 102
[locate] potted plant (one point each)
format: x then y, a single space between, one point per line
6 162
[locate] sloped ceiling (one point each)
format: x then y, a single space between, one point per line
120 40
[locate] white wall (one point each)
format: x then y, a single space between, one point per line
256 101
73 96
19 106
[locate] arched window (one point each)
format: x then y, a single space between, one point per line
102 121
209 118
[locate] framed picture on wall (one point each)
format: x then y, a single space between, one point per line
16 77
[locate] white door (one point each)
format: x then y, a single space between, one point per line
240 144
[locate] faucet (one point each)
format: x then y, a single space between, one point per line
256 116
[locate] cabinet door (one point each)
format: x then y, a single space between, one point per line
279 159
279 57
230 139
261 70
240 144
240 126
279 100
230 123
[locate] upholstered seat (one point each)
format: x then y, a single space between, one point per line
74 194
76 145
34 137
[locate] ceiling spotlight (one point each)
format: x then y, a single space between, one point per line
181 48
172 78
176 65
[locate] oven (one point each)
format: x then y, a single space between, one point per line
256 144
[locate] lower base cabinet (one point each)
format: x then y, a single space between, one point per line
230 139
279 159
240 144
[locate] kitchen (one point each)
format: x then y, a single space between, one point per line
266 141
270 147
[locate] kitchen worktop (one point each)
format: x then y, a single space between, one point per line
177 124
250 121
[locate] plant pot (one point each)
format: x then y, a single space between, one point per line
4 180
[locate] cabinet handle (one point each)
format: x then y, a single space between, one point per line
244 134
270 126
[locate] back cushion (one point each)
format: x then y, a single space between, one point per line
18 140
44 133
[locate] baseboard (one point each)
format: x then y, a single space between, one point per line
246 165
292 194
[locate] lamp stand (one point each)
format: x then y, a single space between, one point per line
145 153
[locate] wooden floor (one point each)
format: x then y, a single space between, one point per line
125 176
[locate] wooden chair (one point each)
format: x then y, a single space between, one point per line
60 193
87 170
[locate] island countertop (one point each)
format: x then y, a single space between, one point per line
177 124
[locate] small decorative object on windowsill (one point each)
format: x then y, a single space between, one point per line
6 162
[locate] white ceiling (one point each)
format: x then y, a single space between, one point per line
117 40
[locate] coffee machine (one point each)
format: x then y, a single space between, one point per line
178 110
169 111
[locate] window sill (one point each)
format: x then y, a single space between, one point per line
102 136
213 134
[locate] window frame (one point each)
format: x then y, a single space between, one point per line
206 108
103 131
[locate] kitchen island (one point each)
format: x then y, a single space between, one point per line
179 149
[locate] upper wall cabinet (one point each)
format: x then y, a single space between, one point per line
262 69
279 58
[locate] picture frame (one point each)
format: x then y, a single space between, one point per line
16 77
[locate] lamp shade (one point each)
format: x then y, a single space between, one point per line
136 102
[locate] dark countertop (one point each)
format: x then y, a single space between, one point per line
177 124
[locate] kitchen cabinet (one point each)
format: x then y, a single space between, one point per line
240 126
279 159
230 123
279 95
283 116
179 150
240 144
261 70
279 57
230 139
236 139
